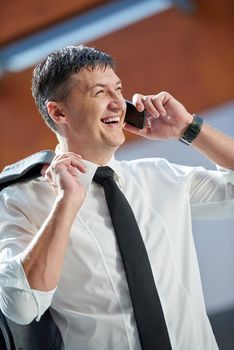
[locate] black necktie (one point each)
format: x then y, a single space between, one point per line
147 308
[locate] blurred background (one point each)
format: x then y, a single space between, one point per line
185 47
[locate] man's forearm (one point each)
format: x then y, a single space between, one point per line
169 119
216 146
42 260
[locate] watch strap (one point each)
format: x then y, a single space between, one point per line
192 131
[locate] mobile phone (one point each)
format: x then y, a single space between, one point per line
134 117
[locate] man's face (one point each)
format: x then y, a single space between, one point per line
95 110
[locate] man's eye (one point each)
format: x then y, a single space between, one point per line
99 92
120 90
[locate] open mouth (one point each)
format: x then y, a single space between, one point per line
111 120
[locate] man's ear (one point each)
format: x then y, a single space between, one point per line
56 111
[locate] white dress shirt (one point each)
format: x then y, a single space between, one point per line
91 304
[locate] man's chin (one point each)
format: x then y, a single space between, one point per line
118 143
115 142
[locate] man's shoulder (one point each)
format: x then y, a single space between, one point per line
144 163
23 189
155 167
25 169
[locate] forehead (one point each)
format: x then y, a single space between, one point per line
87 77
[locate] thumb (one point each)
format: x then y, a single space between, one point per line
44 168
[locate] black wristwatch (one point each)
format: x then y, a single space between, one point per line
192 131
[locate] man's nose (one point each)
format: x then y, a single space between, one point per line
117 102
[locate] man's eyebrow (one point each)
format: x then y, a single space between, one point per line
104 85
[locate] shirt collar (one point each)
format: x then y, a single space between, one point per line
87 177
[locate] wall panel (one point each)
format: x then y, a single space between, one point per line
188 55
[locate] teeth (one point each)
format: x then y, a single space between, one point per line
111 120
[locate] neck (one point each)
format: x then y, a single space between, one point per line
97 156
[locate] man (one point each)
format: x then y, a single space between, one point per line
58 246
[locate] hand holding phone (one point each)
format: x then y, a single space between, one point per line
134 117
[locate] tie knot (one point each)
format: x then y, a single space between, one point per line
102 173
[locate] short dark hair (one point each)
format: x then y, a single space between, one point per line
51 78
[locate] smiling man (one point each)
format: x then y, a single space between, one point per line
94 110
59 245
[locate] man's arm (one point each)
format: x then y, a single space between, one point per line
216 146
168 119
43 258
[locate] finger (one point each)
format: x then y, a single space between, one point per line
49 178
73 154
137 100
67 155
74 172
159 101
134 130
150 107
150 121
71 161
140 100
43 169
